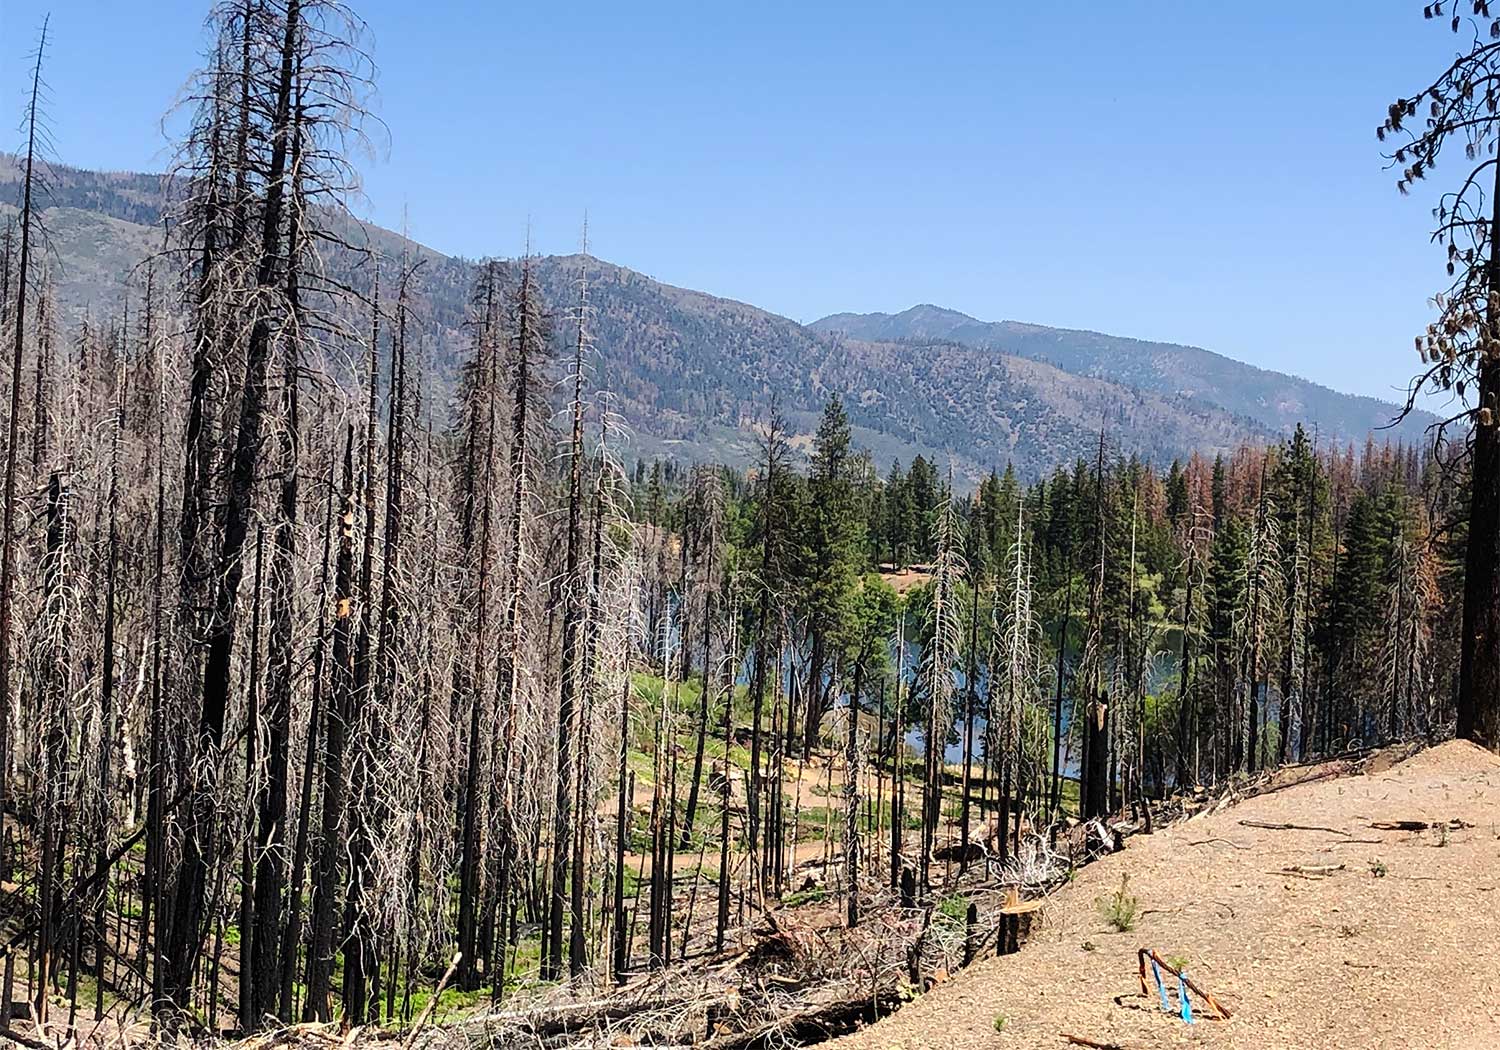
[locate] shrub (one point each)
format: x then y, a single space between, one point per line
956 908
1120 909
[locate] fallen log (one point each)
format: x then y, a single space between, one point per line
813 1024
545 1023
1420 825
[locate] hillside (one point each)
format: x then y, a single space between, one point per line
1314 925
1273 400
693 373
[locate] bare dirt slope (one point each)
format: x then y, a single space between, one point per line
1400 948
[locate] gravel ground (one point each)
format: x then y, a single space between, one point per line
1399 948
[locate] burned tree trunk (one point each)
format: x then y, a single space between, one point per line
198 846
335 734
691 814
107 720
475 541
851 795
1095 788
8 512
567 715
291 939
270 869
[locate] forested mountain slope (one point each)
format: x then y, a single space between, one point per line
1272 399
694 373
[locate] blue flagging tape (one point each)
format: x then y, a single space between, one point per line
1182 996
1161 986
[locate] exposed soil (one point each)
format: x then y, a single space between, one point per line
906 579
1398 948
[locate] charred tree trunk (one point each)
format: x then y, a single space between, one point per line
1185 720
270 869
563 816
703 698
107 727
8 512
526 343
851 795
1479 652
970 687
253 791
622 929
477 517
291 940
331 846
1096 729
197 849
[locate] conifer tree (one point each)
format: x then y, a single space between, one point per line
830 546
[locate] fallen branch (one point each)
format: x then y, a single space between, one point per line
23 1040
432 1002
1083 1040
1312 870
1276 826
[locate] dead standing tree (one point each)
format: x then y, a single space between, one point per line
708 498
772 553
1094 790
573 592
476 483
527 358
301 77
944 643
30 185
198 845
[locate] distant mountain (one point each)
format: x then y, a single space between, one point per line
693 374
1275 401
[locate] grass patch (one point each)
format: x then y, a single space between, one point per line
816 895
818 822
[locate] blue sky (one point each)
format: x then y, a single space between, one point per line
1196 172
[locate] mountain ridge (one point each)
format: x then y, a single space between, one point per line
1276 399
693 373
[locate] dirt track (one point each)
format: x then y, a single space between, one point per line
1400 948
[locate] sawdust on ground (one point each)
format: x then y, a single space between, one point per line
1399 948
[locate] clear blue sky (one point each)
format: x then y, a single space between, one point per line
1197 172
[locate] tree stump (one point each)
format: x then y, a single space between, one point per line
1016 920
